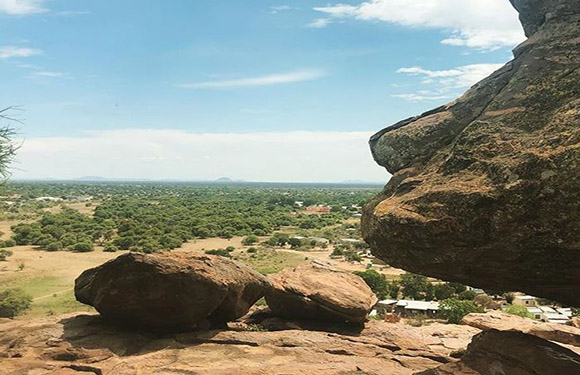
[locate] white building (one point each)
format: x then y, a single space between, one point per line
527 301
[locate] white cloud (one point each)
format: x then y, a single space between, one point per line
48 74
9 52
280 8
320 23
479 24
22 7
460 77
418 97
446 82
274 79
299 156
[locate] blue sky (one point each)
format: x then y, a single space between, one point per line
87 70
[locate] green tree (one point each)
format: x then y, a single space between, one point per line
295 242
13 302
250 240
376 281
83 247
509 297
467 295
414 286
453 310
519 311
443 291
220 252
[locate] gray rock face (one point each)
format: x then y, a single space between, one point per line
486 189
174 291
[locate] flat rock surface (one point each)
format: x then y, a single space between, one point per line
80 344
170 291
318 292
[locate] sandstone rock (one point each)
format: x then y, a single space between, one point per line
86 344
317 292
486 189
172 291
505 322
512 353
575 322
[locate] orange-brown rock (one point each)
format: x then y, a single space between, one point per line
486 189
505 322
171 291
511 353
317 292
86 344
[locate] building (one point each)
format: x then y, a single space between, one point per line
413 308
550 315
386 306
526 301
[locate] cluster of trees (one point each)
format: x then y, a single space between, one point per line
14 302
139 218
413 286
67 229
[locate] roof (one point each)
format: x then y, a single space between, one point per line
525 297
565 311
418 305
534 310
388 302
547 309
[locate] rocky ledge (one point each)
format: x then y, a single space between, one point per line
486 189
87 344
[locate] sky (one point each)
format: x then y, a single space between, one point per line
252 90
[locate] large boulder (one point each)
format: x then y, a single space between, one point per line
506 322
511 353
317 292
486 189
172 291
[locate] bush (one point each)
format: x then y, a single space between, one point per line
252 250
509 297
250 240
8 243
443 291
519 311
83 247
54 246
453 310
13 302
4 254
110 247
467 295
221 252
415 286
230 249
376 281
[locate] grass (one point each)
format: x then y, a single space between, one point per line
268 261
51 295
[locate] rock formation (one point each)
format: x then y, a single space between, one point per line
511 353
486 189
85 344
173 291
317 292
505 322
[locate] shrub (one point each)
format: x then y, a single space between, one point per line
83 247
230 249
8 243
221 252
467 295
4 254
509 297
54 246
13 302
519 311
110 247
252 250
250 240
453 310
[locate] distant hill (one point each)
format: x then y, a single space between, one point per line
224 179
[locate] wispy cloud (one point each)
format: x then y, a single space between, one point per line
459 77
320 23
178 154
8 52
22 7
447 83
483 25
275 9
268 80
48 74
